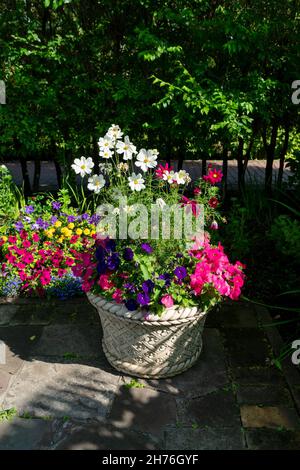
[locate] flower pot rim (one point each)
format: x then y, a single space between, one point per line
172 315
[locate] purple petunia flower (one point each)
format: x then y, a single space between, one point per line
180 272
85 216
53 220
71 218
35 226
147 248
27 219
128 254
148 286
29 209
113 262
42 223
129 286
131 305
165 277
143 299
94 219
19 226
56 205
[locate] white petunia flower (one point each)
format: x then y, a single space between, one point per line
182 177
95 183
169 176
106 153
83 166
105 143
126 148
160 203
146 160
136 182
114 132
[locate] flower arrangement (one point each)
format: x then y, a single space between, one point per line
147 273
39 248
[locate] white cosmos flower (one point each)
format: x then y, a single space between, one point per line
83 166
182 177
105 143
106 153
95 183
136 182
155 152
127 209
146 159
169 176
161 203
126 147
114 132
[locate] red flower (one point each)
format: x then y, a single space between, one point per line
23 235
104 282
214 176
161 170
190 204
74 239
35 237
213 202
69 262
197 191
12 239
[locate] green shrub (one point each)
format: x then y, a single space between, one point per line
285 232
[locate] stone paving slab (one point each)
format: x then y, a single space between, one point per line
7 312
25 434
209 438
61 340
60 390
264 395
272 439
217 409
144 410
19 342
269 417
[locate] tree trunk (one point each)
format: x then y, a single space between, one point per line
26 179
204 166
270 153
240 155
282 155
225 171
58 172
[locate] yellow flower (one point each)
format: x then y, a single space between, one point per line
61 239
68 233
71 225
93 232
4 238
78 231
64 230
86 231
57 223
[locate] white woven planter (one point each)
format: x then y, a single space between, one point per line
157 348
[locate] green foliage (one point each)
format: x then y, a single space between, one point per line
11 198
7 414
221 71
286 234
134 383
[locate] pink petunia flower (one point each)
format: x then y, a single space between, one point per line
167 300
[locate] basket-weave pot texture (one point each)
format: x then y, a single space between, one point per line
158 347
